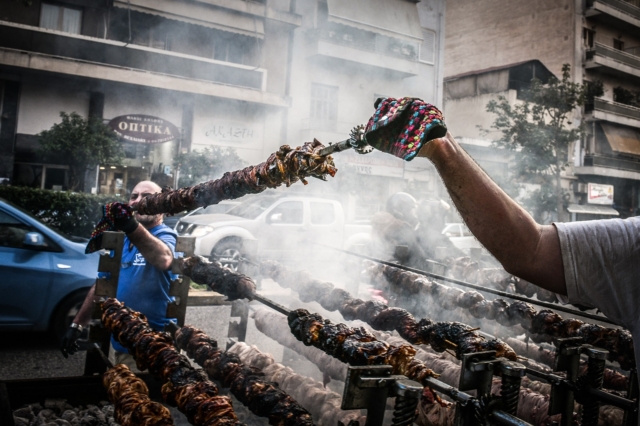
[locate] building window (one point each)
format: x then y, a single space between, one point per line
618 44
428 46
588 37
324 106
60 18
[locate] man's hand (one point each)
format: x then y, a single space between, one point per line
401 127
122 216
69 345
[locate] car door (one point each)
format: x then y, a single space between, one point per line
325 225
283 230
25 275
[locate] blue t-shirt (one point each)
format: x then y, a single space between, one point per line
141 286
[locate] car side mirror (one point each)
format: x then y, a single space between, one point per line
274 218
33 239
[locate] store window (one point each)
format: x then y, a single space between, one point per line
324 106
60 18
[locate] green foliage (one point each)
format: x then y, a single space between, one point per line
81 144
539 131
210 163
70 212
627 97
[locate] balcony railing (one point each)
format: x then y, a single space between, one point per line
367 41
617 108
623 6
612 162
100 51
615 54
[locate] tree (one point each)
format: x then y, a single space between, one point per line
210 163
82 144
539 131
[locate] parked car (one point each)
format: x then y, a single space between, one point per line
461 236
45 275
277 223
221 207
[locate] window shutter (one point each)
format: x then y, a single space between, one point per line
428 46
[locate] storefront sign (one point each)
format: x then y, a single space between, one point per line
140 128
376 164
600 194
231 133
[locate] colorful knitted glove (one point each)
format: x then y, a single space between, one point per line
401 127
115 217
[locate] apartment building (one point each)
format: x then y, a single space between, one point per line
169 75
345 55
600 39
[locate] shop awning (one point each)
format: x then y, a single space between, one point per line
198 14
592 209
393 18
622 139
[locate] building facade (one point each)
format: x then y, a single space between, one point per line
216 71
250 75
600 40
345 56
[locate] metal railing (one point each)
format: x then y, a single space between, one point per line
615 54
611 162
624 6
376 43
600 104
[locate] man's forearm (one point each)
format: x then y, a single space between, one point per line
84 314
524 248
154 250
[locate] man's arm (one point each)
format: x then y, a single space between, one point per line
523 247
154 250
84 314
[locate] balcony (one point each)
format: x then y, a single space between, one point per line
609 166
613 61
364 48
614 112
41 50
617 13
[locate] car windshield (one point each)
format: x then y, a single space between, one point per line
52 228
252 208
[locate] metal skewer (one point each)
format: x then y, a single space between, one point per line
356 141
547 305
270 303
105 359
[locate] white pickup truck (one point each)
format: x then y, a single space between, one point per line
279 224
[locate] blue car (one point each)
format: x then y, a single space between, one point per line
44 275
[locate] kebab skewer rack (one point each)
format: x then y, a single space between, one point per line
477 374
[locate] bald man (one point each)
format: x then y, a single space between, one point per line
144 280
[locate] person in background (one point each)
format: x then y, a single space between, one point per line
397 226
593 263
145 276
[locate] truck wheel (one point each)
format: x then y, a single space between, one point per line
65 314
228 253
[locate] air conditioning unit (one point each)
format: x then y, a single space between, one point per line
579 188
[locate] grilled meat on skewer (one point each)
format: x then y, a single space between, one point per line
537 323
440 335
323 404
185 387
285 166
223 280
130 397
355 346
248 384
